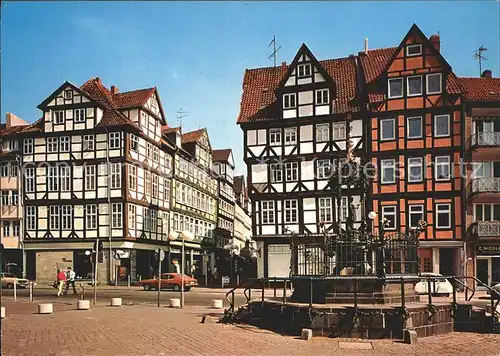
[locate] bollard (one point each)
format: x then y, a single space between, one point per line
83 304
82 291
116 302
31 291
306 334
129 280
174 303
45 308
217 304
2 312
15 289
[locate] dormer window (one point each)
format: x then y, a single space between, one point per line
304 70
289 101
395 88
68 94
413 50
414 85
322 96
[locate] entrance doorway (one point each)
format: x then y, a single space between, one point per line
488 270
447 261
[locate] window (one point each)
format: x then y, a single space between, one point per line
65 177
68 94
15 197
396 88
291 211
66 217
58 116
116 215
291 136
52 179
339 131
131 216
88 142
415 169
14 170
344 208
325 209
289 101
91 216
114 140
132 177
116 175
292 171
268 212
304 70
275 137
28 146
276 173
156 154
30 217
443 216
4 170
434 83
414 85
323 168
166 190
12 145
6 228
54 221
442 168
389 215
149 150
416 214
79 115
414 127
441 125
29 180
387 129
322 133
64 143
90 176
322 96
388 171
134 142
52 144
413 50
155 180
486 212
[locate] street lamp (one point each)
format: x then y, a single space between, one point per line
185 236
234 251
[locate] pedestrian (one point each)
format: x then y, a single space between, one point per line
70 280
61 279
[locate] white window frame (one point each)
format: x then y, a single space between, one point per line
415 209
66 217
275 137
68 94
64 144
116 215
59 116
304 70
292 168
448 133
323 168
291 209
267 212
79 115
387 163
90 177
276 172
114 140
91 216
290 136
65 178
131 216
132 177
28 146
393 137
408 119
408 85
344 208
438 164
408 54
393 213
31 218
321 98
88 143
52 179
415 162
54 217
323 132
440 209
292 97
339 131
115 170
52 144
440 83
134 143
325 209
389 88
29 179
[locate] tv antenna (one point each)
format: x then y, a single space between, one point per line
479 56
274 55
180 115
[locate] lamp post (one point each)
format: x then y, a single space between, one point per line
185 236
234 251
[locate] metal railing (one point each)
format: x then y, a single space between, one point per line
485 139
480 185
487 228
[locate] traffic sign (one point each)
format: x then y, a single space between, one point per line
162 254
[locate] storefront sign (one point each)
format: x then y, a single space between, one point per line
488 250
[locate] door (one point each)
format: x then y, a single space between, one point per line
495 271
483 270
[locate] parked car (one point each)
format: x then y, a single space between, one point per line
169 281
496 288
439 286
8 280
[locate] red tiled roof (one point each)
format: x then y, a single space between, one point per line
481 89
258 102
167 129
192 136
221 155
34 127
133 98
375 62
4 131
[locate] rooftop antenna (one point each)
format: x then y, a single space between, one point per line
180 115
274 55
479 56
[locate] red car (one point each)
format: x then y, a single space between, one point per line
170 281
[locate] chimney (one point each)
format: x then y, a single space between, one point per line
283 65
436 42
114 90
98 80
366 45
487 74
13 120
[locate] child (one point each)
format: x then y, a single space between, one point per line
61 280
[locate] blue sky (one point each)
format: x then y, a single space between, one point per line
196 53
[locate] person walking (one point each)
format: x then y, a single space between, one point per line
61 279
70 277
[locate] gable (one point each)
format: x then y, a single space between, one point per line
154 105
231 159
203 140
66 94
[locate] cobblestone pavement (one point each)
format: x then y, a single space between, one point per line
146 330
